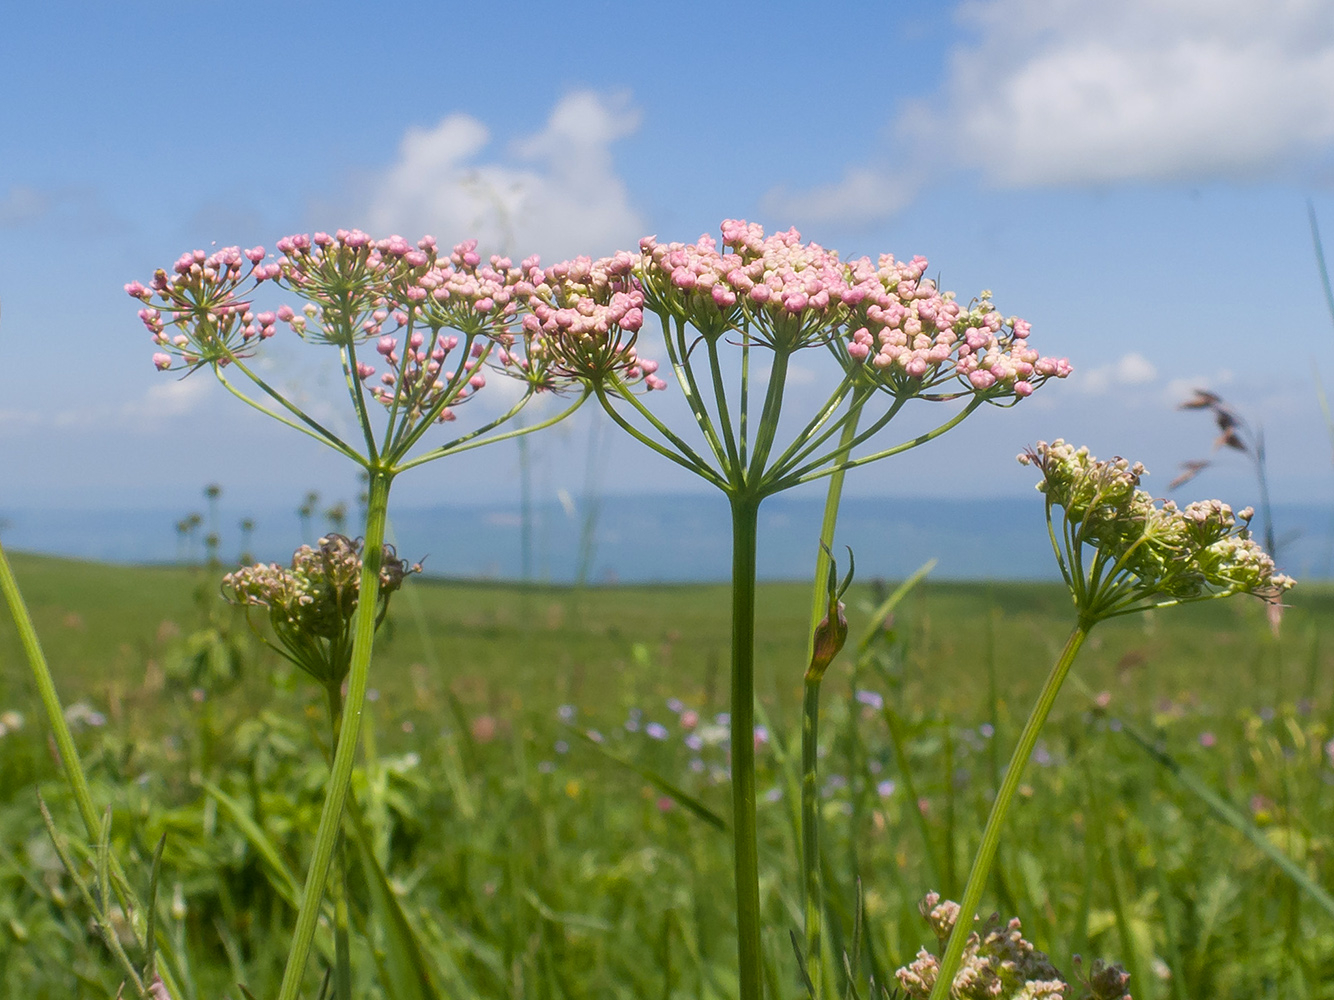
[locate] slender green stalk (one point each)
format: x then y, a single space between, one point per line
745 518
810 728
986 852
46 689
338 885
340 777
810 833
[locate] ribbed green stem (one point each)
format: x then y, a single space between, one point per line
986 853
745 520
69 753
340 777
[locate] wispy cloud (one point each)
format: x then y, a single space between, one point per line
555 192
1132 369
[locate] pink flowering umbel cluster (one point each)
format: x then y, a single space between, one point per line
416 328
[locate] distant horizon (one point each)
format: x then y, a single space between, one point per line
639 538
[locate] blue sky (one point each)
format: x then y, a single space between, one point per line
1138 194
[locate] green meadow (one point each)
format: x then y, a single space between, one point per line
544 779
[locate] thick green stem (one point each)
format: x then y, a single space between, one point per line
745 519
986 852
340 777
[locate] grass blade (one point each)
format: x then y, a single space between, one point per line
404 967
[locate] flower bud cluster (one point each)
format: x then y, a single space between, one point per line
788 293
998 964
584 317
316 599
1157 550
404 297
197 314
352 284
905 333
912 335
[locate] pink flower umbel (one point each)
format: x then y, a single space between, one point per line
416 332
733 316
417 329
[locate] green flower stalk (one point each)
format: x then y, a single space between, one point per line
1120 551
416 331
733 324
827 640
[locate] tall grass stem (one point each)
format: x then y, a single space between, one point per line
69 753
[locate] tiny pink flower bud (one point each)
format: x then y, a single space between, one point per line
386 345
162 361
286 314
364 371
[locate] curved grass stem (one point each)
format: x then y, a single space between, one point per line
810 730
69 753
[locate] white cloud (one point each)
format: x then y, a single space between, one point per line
1131 370
1074 91
555 192
1077 92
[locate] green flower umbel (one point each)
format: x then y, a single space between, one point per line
311 605
1122 551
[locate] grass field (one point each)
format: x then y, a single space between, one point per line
537 862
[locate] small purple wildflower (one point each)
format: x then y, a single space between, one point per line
656 730
871 699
